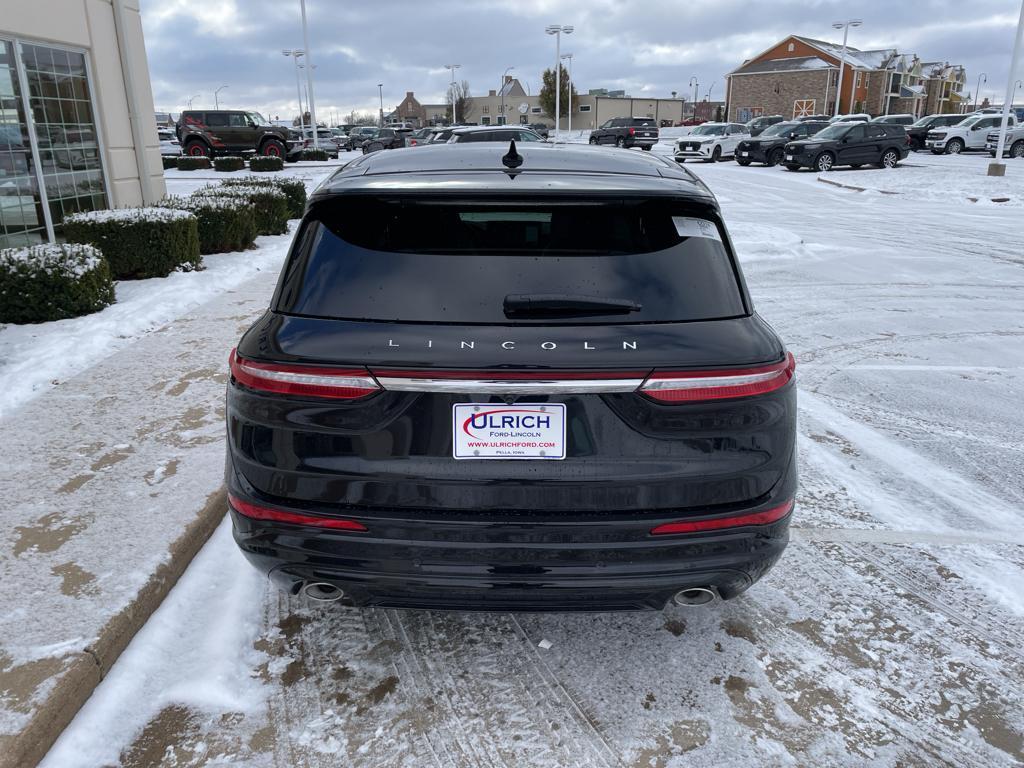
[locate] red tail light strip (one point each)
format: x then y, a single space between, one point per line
257 512
772 515
335 383
693 386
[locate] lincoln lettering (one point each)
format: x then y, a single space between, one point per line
546 346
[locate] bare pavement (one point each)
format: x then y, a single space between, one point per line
890 634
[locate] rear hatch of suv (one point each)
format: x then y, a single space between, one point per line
554 354
644 128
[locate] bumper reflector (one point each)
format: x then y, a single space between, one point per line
772 515
257 512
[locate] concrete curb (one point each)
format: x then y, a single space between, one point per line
79 677
887 192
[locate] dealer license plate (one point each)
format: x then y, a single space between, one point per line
744 154
789 158
499 431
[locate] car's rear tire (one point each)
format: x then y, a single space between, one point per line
824 162
742 161
593 140
791 167
646 147
890 159
775 157
954 146
1017 150
620 142
273 148
197 148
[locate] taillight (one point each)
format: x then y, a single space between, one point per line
632 131
257 512
304 380
694 386
772 515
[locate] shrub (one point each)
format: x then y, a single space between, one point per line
139 242
225 223
266 163
193 163
294 190
270 204
52 282
227 164
169 161
314 154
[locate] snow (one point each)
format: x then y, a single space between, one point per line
128 215
71 260
35 357
889 632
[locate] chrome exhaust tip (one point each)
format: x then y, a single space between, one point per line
322 592
695 596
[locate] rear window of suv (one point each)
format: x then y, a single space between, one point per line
441 261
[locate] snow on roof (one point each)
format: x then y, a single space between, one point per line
854 57
783 65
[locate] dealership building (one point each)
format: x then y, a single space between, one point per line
77 130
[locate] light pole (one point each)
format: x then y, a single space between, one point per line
216 101
380 93
998 168
982 78
298 87
845 26
452 68
190 100
568 128
501 117
309 74
695 85
557 30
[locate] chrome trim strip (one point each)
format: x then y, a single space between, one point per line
510 387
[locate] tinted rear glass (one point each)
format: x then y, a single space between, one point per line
449 262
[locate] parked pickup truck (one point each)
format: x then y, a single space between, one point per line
971 133
1014 146
627 132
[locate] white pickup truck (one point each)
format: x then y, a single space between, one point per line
971 133
1014 146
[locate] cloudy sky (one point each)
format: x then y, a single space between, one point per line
647 47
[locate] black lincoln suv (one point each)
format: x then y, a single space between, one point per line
851 143
512 378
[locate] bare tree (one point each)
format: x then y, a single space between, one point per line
462 102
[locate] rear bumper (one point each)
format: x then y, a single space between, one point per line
509 561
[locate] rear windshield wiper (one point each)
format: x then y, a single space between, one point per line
546 304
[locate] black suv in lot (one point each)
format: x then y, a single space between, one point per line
512 378
759 125
918 132
852 144
767 148
235 132
627 132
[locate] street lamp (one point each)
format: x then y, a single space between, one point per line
309 74
452 68
298 87
998 168
216 101
558 30
190 100
695 85
568 128
845 26
501 117
380 93
982 78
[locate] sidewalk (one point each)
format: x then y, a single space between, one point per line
111 482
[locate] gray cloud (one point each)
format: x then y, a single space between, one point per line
196 47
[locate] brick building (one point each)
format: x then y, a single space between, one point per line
799 76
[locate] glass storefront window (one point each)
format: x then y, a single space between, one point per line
60 117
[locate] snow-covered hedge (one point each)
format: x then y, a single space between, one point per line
225 223
52 282
294 189
270 204
139 242
169 161
227 164
314 154
193 163
266 163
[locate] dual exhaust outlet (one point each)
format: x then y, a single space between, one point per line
322 592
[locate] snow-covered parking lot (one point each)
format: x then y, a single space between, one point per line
891 633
